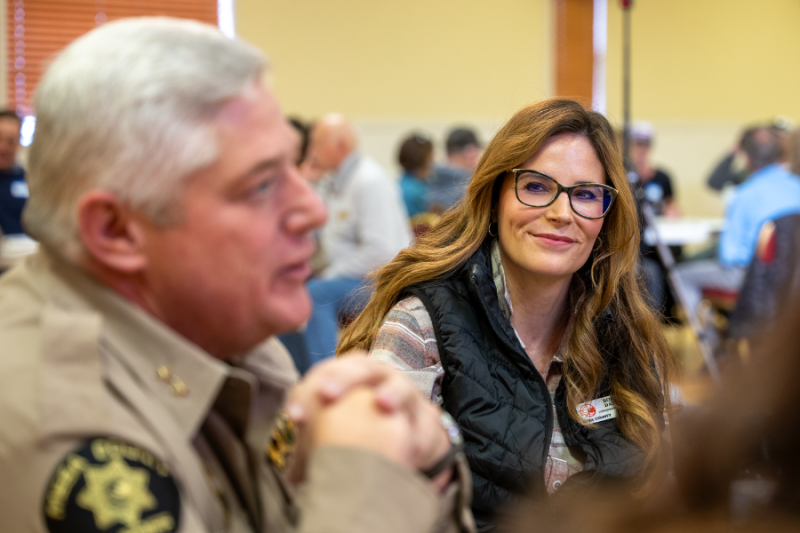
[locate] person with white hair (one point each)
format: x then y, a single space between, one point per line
141 388
367 227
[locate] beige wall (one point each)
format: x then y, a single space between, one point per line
392 66
701 70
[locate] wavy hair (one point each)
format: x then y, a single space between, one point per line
609 274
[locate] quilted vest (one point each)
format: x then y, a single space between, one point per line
501 402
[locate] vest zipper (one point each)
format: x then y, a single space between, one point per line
515 347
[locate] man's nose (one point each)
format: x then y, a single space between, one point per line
308 210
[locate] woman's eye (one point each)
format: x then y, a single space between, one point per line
586 194
534 187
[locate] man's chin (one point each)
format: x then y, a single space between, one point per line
293 315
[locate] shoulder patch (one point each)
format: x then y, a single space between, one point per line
111 486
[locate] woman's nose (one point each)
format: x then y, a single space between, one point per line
560 209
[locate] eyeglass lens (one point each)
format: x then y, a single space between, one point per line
587 200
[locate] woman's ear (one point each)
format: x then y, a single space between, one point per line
110 234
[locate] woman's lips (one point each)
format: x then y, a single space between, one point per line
555 240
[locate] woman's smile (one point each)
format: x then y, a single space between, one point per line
552 239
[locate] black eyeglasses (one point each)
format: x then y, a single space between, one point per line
536 189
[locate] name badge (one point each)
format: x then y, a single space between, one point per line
597 410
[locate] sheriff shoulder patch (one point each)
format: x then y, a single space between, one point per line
110 486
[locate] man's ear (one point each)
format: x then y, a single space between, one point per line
110 232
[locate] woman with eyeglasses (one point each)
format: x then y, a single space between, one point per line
521 313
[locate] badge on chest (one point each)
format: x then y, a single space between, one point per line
597 410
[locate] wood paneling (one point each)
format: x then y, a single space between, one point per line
574 49
38 29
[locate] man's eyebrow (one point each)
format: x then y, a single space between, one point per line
266 164
261 166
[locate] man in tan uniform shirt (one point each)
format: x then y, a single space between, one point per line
139 380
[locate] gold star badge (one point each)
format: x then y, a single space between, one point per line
116 493
283 442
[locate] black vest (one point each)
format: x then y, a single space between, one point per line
501 401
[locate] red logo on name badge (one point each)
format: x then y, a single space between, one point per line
587 410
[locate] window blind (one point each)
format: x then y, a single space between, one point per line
38 29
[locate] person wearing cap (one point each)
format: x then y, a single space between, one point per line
449 182
655 186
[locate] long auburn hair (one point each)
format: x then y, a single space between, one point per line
636 391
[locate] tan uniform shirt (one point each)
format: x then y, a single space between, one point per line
93 390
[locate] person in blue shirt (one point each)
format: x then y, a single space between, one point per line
13 187
416 158
449 181
770 192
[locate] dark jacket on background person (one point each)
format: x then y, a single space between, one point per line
13 195
501 401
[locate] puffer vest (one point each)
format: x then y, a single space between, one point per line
501 402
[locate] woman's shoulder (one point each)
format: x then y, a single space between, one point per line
407 333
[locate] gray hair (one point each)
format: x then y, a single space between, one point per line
128 108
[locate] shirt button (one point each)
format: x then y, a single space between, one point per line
556 485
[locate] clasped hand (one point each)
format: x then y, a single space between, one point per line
360 403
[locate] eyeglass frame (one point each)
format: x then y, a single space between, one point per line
563 188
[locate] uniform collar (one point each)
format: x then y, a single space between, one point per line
177 374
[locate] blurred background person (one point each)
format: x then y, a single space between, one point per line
13 187
770 192
731 170
657 184
416 158
655 187
367 226
449 181
774 270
